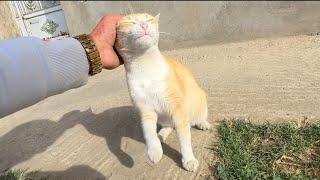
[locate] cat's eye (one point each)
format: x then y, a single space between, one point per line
149 20
128 22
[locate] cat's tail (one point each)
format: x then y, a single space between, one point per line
201 120
199 112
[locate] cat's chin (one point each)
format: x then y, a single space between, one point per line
144 46
144 41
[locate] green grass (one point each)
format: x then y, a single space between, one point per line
19 174
250 151
268 151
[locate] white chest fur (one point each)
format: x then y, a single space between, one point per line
146 78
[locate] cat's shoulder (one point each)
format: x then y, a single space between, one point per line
176 65
171 60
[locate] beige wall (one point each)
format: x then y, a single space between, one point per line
8 26
190 23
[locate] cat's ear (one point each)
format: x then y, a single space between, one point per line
157 16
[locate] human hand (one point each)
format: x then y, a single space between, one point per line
104 37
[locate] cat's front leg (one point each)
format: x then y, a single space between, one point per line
182 126
149 126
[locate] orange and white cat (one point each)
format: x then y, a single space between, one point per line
160 86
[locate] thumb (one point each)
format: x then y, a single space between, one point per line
110 59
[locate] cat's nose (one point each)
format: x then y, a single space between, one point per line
144 26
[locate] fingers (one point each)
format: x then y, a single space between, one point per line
110 22
113 19
110 59
104 37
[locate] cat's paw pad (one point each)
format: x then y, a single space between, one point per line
205 125
191 165
155 154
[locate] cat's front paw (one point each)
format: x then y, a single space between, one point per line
191 165
205 125
155 154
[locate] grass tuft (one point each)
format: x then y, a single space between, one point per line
19 174
268 151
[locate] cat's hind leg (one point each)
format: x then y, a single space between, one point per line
182 127
164 133
166 125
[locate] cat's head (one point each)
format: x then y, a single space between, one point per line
137 33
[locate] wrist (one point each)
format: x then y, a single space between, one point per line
93 56
100 46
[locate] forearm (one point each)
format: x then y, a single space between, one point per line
67 65
32 69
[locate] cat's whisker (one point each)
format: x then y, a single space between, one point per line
166 33
124 49
130 33
131 9
121 11
128 10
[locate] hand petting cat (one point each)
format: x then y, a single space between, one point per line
104 36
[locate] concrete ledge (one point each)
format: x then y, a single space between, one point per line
213 22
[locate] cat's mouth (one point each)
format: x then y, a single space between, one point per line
143 36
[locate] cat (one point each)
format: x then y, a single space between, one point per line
160 86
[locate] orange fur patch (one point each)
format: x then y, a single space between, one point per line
187 100
149 116
125 26
154 21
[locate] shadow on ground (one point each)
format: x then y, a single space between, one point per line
80 172
29 139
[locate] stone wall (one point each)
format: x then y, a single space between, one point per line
193 23
8 26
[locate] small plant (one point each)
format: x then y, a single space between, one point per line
268 151
19 174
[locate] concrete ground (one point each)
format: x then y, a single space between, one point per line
93 132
